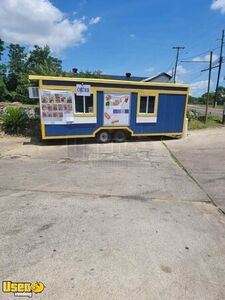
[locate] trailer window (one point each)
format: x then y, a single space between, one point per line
147 105
89 104
84 104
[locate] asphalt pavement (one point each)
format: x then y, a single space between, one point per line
201 109
114 221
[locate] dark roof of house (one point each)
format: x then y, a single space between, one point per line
121 77
135 78
131 78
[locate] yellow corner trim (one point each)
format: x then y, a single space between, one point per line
43 131
185 111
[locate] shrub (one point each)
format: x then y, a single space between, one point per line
14 120
192 114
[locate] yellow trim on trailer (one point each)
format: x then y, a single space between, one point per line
44 137
57 87
123 82
104 89
113 128
85 115
185 111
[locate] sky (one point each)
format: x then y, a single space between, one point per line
122 36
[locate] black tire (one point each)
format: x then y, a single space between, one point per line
103 136
120 136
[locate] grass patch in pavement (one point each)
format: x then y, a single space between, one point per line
199 123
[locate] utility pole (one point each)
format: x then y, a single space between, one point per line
219 70
178 48
209 81
172 73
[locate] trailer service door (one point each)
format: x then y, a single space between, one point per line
116 109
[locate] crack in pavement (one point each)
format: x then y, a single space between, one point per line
182 167
140 198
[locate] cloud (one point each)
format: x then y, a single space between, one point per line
39 22
199 87
132 35
205 58
149 70
95 20
218 5
181 70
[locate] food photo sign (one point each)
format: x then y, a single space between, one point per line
116 109
56 107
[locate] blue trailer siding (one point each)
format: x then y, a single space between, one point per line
169 118
68 130
170 115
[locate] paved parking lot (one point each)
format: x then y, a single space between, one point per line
114 221
203 156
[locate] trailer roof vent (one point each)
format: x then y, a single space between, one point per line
33 92
128 75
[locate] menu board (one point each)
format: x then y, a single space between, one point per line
56 106
116 109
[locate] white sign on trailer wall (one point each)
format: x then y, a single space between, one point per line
116 109
83 90
56 107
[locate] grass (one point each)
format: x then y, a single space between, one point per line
17 104
212 122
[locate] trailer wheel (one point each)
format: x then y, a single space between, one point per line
120 136
103 136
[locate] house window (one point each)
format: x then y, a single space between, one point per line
84 104
147 105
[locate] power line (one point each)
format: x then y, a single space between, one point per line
200 54
194 61
170 66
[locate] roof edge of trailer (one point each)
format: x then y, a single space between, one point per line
79 79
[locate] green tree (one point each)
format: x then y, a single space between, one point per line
17 81
40 62
86 74
194 100
2 48
90 74
204 98
221 95
4 94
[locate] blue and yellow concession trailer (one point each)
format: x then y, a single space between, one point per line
109 109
